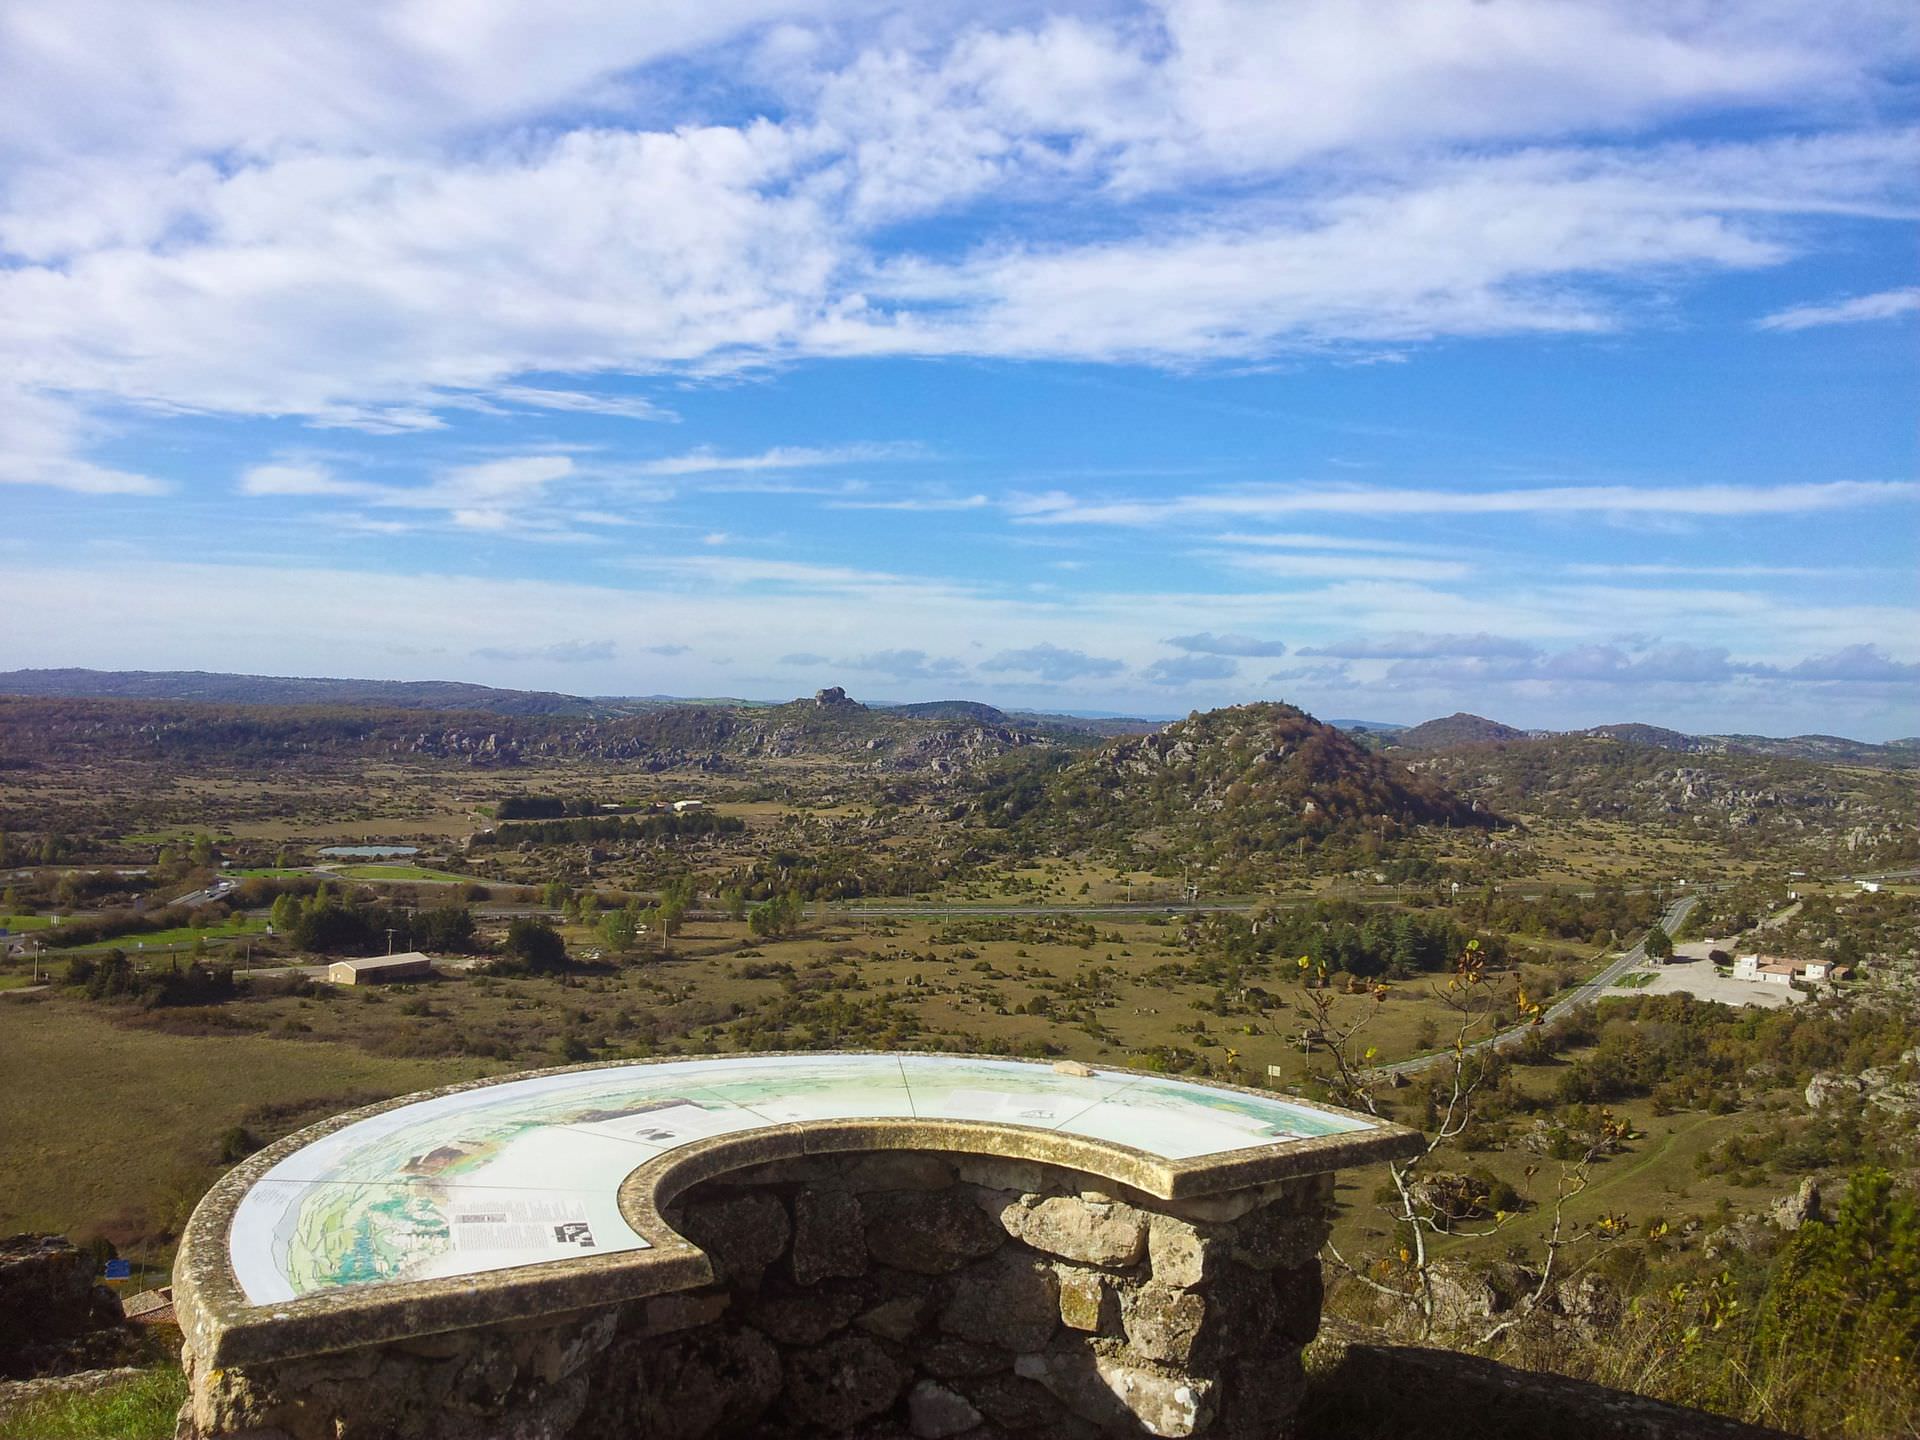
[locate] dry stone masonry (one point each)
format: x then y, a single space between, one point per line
904 1293
854 1244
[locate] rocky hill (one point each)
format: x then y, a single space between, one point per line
1459 728
1755 802
829 726
1241 782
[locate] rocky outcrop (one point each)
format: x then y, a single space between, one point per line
1892 1088
48 1301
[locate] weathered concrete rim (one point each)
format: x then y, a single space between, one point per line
224 1328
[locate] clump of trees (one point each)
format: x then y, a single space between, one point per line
532 947
779 916
115 977
328 924
590 830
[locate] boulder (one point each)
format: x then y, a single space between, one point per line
935 1412
1093 1232
929 1234
1011 1300
842 1382
1790 1212
742 1234
826 1236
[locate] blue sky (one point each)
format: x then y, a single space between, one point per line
1391 357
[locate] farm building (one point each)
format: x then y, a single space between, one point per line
379 969
1763 969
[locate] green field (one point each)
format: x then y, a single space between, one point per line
236 927
21 923
116 1129
404 872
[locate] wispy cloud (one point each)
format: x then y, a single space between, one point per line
907 665
1409 645
1207 643
1053 663
931 504
1860 310
559 652
1190 670
780 457
1060 508
583 402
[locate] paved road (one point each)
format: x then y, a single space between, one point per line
1580 995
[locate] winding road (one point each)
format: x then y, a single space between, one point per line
1584 994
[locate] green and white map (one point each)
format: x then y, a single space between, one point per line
526 1171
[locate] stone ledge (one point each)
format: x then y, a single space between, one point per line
869 1296
223 1328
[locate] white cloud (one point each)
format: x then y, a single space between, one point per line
1417 645
408 215
1059 508
907 665
1207 643
284 478
1053 663
780 457
40 436
582 402
560 652
1885 305
1190 670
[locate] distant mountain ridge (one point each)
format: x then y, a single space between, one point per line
1459 729
1462 730
217 688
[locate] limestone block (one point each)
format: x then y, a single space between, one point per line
1011 1300
808 1315
826 1236
1169 1405
713 1382
896 1319
935 1412
1087 1300
1179 1253
1164 1323
929 1234
742 1234
950 1359
1279 1235
836 1385
1122 1396
1015 1403
1094 1232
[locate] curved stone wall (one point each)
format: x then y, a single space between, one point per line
890 1244
904 1293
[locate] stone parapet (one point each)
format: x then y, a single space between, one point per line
908 1293
871 1250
